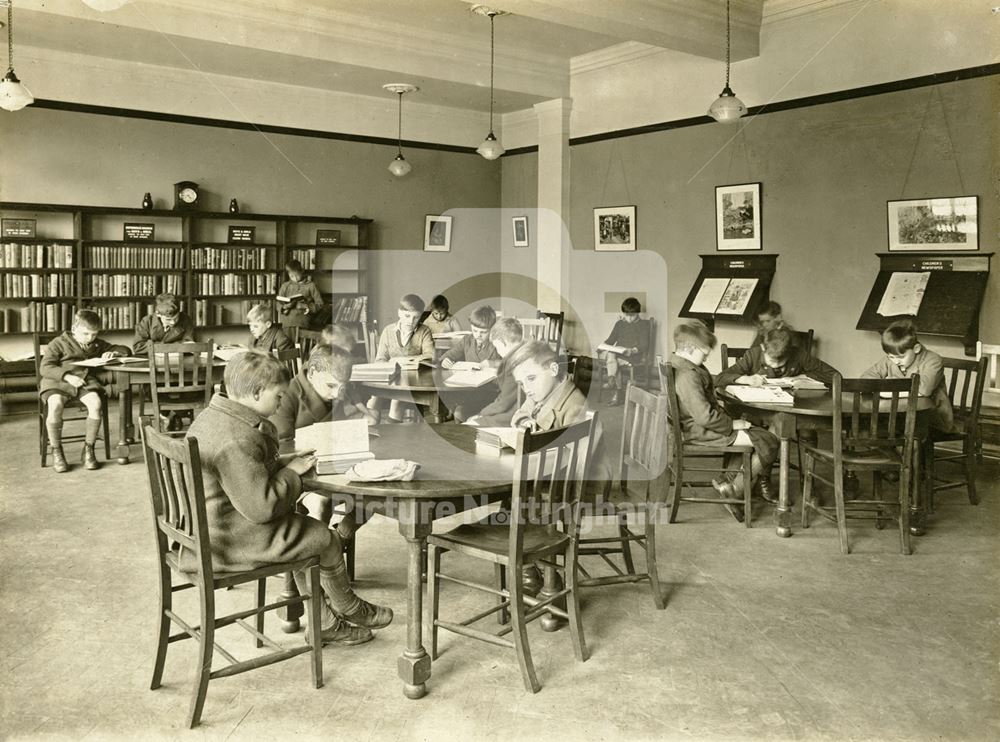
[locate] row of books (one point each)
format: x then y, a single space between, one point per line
18 255
350 309
215 313
132 285
235 284
116 256
306 256
38 316
32 287
122 315
244 258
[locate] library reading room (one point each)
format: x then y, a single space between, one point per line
342 397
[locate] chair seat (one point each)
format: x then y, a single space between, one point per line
876 457
228 579
538 540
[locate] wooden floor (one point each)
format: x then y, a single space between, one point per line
762 638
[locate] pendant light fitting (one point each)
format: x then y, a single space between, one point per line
491 148
399 166
727 108
13 95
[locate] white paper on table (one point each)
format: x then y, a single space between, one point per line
466 366
336 437
619 349
454 334
708 296
737 296
761 394
903 294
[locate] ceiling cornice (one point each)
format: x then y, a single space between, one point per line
783 10
612 55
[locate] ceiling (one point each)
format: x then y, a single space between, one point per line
355 46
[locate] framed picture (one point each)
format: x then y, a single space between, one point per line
437 233
520 224
614 228
934 224
737 217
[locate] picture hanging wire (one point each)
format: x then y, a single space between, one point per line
934 95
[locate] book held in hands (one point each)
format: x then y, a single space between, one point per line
116 361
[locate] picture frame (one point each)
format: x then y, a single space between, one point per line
931 224
614 229
520 229
437 233
738 217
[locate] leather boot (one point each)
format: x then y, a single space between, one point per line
531 580
59 460
89 458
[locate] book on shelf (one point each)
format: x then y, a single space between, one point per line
760 394
618 349
380 372
471 378
338 445
350 309
116 361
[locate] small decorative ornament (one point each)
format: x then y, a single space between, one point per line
147 202
234 207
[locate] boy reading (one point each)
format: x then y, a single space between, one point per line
632 335
168 324
776 357
251 492
906 356
768 318
440 319
298 298
506 336
62 382
264 334
405 337
476 347
704 421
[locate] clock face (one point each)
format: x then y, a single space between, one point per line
188 195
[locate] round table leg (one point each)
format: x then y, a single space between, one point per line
553 584
782 513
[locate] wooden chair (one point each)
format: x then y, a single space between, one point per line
41 340
731 354
684 459
371 343
803 339
180 524
291 359
989 412
640 374
180 377
642 489
546 327
878 438
965 380
544 525
306 340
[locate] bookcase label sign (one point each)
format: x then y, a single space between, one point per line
936 265
241 234
17 227
139 232
327 236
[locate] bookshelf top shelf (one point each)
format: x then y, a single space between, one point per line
122 243
235 245
37 241
207 215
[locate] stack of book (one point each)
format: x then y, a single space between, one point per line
381 372
494 441
338 445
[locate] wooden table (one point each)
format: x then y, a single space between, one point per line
451 479
128 376
813 410
424 388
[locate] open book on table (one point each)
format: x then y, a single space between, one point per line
760 394
493 441
339 444
412 363
471 377
796 382
225 354
117 361
453 335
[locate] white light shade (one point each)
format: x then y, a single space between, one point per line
399 167
105 5
727 108
13 95
490 148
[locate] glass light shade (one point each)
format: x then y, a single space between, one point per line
727 108
399 167
490 148
105 5
13 95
